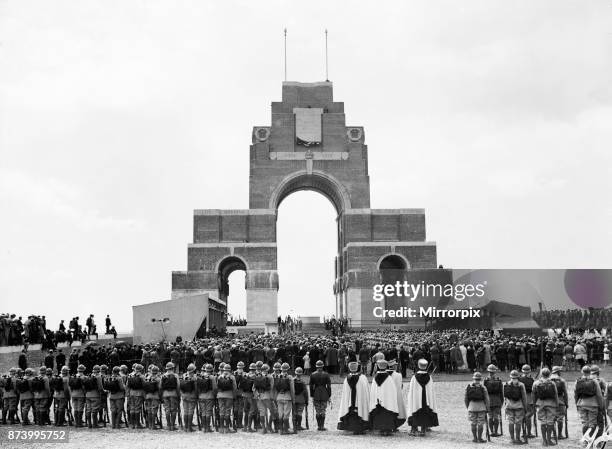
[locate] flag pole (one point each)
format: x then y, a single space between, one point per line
285 54
326 59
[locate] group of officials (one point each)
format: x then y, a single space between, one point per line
257 398
542 398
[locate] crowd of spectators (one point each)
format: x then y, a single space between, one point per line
231 321
14 331
288 325
336 326
575 319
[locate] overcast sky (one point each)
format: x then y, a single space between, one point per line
118 118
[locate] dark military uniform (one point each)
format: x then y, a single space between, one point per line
320 391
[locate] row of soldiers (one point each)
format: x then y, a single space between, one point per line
542 398
225 400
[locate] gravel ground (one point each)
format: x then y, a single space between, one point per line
454 429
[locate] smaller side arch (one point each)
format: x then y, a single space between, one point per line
406 262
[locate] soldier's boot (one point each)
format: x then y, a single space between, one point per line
288 429
94 419
544 432
265 424
474 433
552 431
247 424
560 430
511 432
230 428
529 434
480 430
4 413
173 421
323 423
138 418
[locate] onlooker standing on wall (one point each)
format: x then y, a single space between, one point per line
108 324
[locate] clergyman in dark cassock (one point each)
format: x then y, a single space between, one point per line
383 400
422 409
355 403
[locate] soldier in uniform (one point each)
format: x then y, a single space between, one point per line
301 398
207 392
589 400
42 392
516 404
547 402
171 395
608 400
77 393
239 399
9 397
477 403
93 403
103 412
494 386
135 394
245 387
563 400
26 397
263 385
601 414
285 398
61 395
320 391
276 371
115 386
528 381
190 396
226 391
152 399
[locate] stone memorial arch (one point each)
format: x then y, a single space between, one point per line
307 146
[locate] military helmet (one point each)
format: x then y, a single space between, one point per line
169 365
265 367
594 369
64 369
285 366
154 368
227 367
240 364
13 370
545 372
526 368
277 366
191 367
422 363
29 371
208 368
81 368
319 364
42 370
299 371
259 364
514 374
116 370
477 376
586 369
103 368
556 369
96 368
252 366
492 368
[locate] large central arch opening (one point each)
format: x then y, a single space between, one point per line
307 242
232 274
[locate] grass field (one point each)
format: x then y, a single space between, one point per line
453 430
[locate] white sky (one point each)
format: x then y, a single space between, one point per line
118 118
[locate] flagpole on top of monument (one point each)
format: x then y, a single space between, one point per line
326 59
285 54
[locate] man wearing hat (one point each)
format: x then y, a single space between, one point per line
93 387
301 398
477 403
561 413
602 386
245 387
171 395
397 378
285 397
263 384
320 391
77 393
61 395
135 394
383 400
495 386
116 388
422 408
26 397
547 402
354 405
589 400
9 397
152 395
207 392
226 390
189 392
527 380
42 393
239 399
